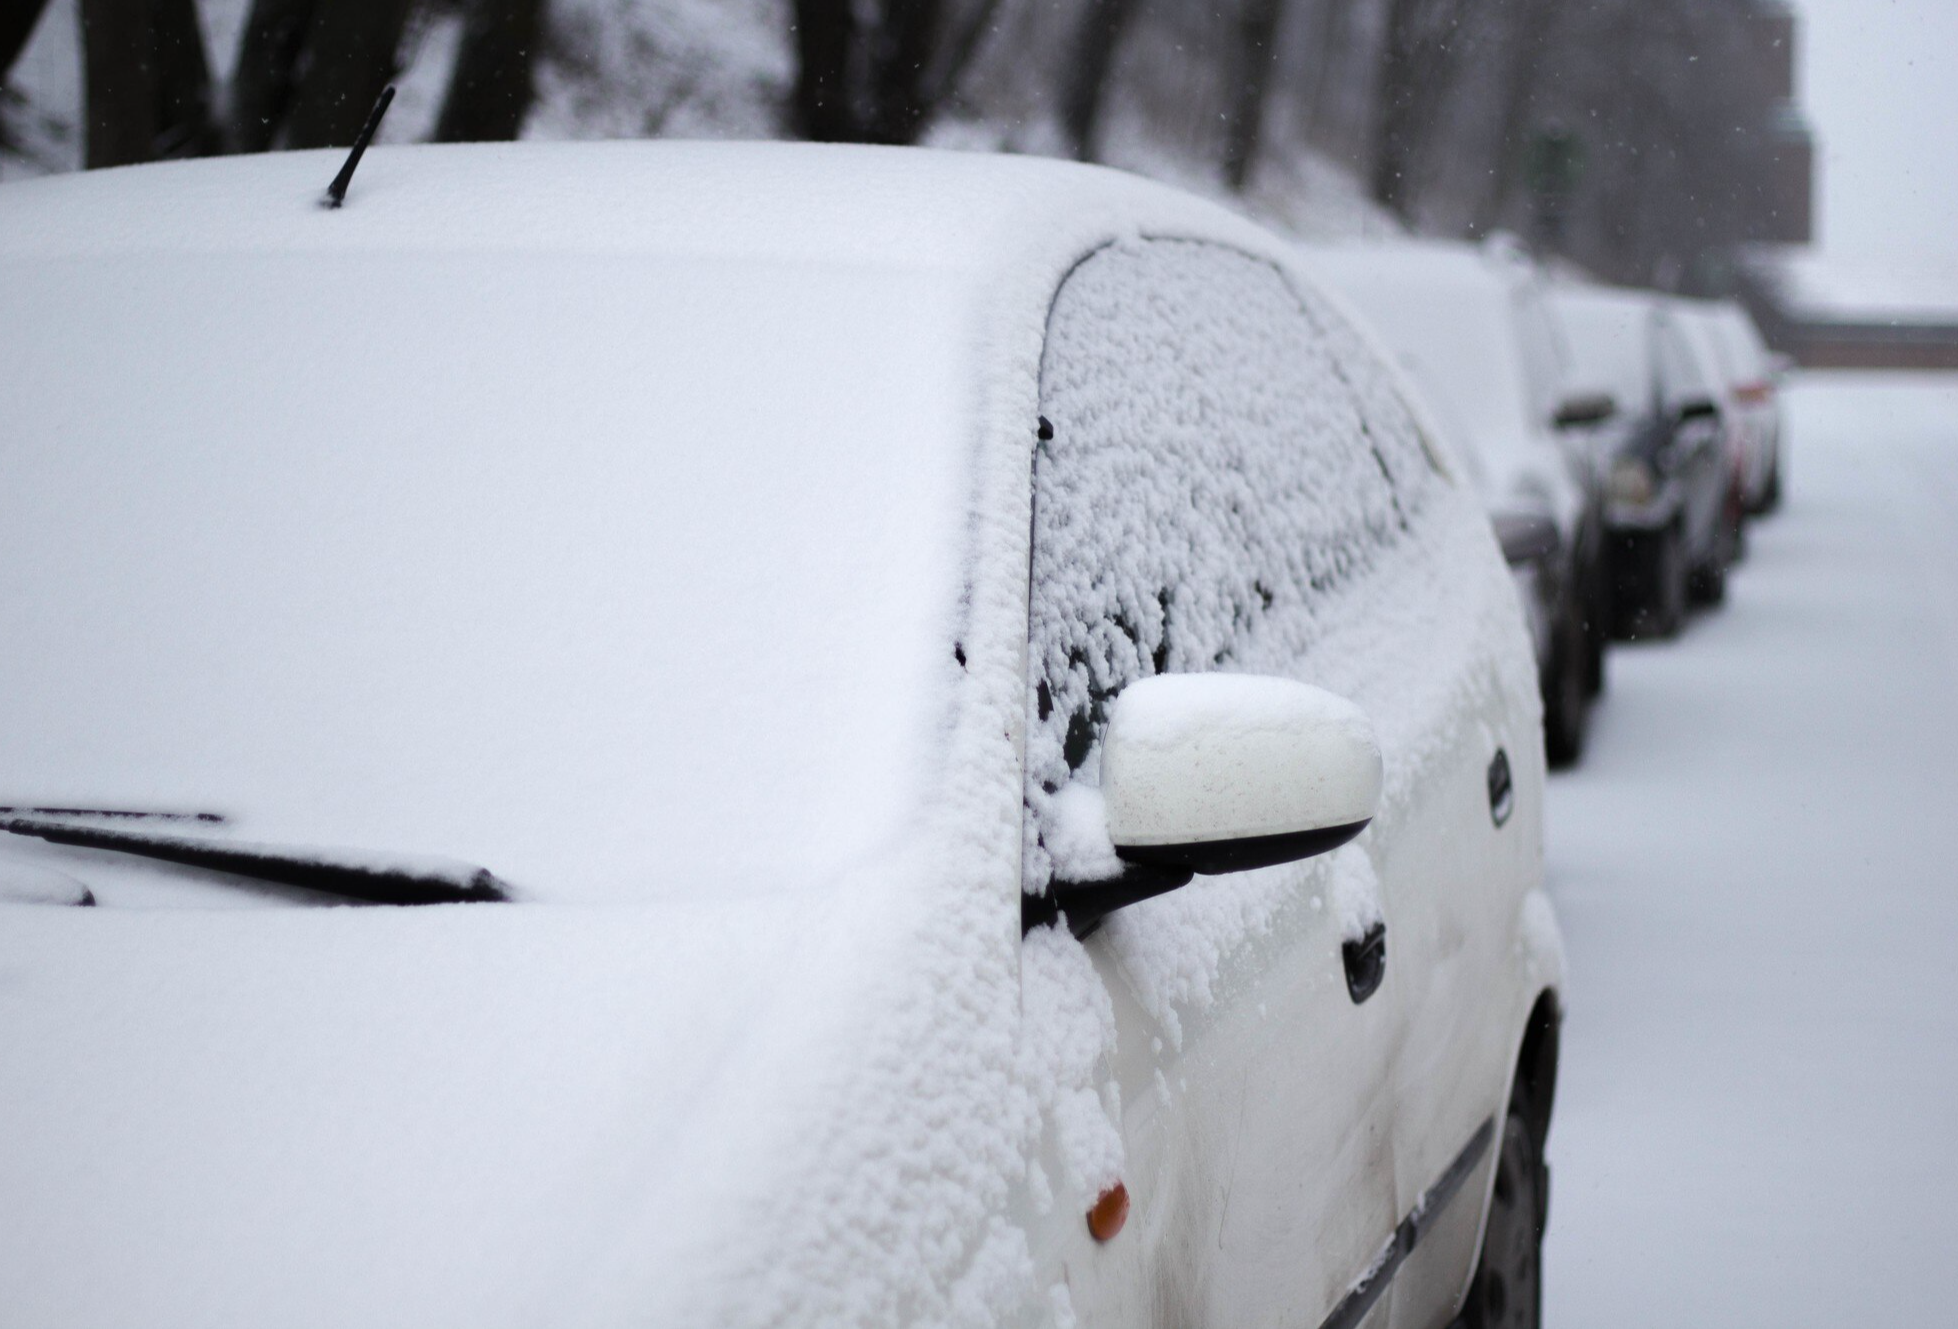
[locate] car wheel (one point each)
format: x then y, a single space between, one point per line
1669 578
1771 493
1597 632
1567 700
1507 1291
1708 583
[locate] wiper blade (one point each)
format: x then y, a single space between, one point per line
348 873
118 814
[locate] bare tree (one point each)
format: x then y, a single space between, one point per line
1257 50
1417 57
351 49
1526 40
1084 88
490 87
879 72
825 42
17 22
266 71
146 83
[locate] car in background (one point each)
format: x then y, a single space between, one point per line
1473 327
1668 477
1705 370
1751 370
740 734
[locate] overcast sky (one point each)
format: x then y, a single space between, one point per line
1879 80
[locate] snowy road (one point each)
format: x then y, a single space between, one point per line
1757 873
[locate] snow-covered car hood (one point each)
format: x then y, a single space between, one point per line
586 609
379 1117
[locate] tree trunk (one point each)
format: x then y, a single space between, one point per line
1416 58
825 38
262 80
17 20
960 50
1084 91
1526 39
119 82
184 123
490 88
350 56
1257 52
905 40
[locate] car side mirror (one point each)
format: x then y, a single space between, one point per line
1592 408
1696 408
1526 537
1214 773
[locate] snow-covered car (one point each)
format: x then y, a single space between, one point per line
962 757
1699 335
1667 487
1473 327
1750 370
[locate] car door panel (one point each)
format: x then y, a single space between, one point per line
1260 1152
1256 1097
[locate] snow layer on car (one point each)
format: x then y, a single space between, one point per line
1610 335
1456 318
1188 521
764 1108
852 1144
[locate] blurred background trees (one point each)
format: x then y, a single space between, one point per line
1644 139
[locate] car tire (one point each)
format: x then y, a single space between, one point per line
1670 576
1567 701
1771 492
1507 1290
1708 584
1597 628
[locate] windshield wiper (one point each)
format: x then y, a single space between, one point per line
350 874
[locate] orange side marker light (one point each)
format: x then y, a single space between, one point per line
1109 1213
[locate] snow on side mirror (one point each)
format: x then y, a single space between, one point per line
1213 773
1226 772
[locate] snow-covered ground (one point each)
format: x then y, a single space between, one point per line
1757 873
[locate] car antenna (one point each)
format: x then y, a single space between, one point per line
336 193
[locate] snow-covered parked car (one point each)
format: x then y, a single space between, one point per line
1751 371
1668 486
1698 322
1472 325
962 757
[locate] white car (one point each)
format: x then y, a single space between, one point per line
762 602
1750 371
1474 328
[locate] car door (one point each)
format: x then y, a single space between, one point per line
1695 451
1435 650
1209 496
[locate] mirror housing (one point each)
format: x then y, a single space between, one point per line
1591 408
1226 772
1214 773
1218 774
1526 537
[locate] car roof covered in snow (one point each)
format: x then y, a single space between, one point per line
1450 313
815 202
1610 334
